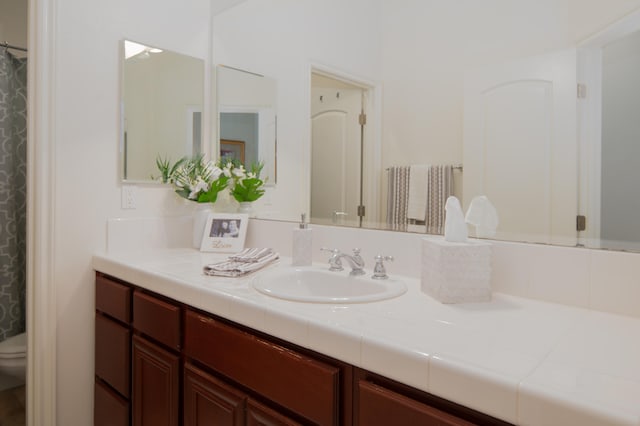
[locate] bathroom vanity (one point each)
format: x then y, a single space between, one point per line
159 361
176 347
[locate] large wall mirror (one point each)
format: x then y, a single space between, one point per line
247 124
162 101
501 92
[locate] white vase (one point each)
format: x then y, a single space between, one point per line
246 207
200 215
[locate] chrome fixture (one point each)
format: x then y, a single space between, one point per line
355 261
379 270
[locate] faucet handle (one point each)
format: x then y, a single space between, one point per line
334 261
379 270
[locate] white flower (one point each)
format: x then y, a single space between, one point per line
251 175
239 172
216 172
201 185
227 169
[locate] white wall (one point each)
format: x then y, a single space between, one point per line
86 137
430 45
588 17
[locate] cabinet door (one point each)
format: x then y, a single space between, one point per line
381 406
155 396
113 354
110 409
209 401
261 415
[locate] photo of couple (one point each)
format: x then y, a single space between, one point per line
225 228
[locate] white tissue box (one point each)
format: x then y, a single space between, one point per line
456 272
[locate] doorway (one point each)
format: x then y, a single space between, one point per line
338 150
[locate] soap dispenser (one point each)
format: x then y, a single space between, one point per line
302 244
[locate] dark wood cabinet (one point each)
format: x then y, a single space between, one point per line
112 353
261 415
110 409
162 363
157 319
156 378
378 406
210 401
289 378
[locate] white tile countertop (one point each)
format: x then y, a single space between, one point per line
520 360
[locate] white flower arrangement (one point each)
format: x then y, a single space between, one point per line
198 180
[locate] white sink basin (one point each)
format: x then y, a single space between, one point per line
315 285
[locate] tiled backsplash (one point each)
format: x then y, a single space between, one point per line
595 279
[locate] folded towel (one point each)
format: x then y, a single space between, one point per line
234 268
251 255
418 179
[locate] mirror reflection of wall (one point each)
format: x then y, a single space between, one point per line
417 54
247 118
162 99
620 148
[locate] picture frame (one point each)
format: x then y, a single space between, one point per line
225 232
232 149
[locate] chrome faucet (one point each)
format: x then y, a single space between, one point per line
355 261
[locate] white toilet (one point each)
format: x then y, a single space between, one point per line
13 360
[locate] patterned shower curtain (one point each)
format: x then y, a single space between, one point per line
13 191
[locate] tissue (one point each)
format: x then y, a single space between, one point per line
456 272
455 227
483 215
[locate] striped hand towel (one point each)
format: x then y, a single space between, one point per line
235 268
251 254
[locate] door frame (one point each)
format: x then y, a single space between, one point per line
372 158
41 236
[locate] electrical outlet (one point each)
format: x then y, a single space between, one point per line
129 196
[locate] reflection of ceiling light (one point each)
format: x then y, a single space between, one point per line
132 49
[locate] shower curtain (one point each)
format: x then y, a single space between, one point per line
13 191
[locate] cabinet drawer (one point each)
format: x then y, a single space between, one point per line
157 319
113 298
299 383
113 354
110 409
381 406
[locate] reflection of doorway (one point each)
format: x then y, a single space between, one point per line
236 127
337 136
520 146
